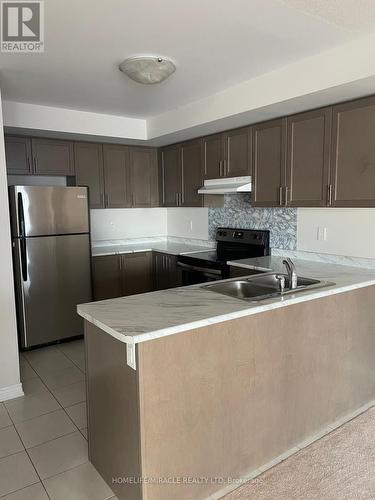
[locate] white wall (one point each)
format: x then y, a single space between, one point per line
9 364
72 121
188 223
111 224
121 223
347 231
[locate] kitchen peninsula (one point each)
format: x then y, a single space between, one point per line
190 391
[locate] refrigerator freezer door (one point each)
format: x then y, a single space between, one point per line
58 277
48 210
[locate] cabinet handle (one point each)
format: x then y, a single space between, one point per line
181 199
35 164
176 196
29 164
280 196
286 195
220 168
225 168
103 200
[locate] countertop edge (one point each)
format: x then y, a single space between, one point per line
284 302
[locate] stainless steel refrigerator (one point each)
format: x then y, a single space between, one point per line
51 256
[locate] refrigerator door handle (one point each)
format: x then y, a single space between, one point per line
22 232
23 258
21 216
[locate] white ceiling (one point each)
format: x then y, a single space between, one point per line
215 44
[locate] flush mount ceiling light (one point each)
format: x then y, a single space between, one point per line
147 69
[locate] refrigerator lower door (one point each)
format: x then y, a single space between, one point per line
57 278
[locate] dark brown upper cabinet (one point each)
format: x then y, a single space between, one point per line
353 154
18 155
88 162
52 157
308 155
237 152
213 156
191 174
182 176
227 154
117 176
144 177
171 176
268 178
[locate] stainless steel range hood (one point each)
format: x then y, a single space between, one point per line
229 185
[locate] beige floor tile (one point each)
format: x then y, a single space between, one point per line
79 360
84 432
33 386
50 360
10 442
16 472
59 455
83 483
78 414
41 429
34 492
61 378
30 406
70 394
72 349
26 372
5 420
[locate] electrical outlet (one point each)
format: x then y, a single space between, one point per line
321 233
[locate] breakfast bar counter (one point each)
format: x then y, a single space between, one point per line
191 392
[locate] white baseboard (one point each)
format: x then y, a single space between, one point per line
11 392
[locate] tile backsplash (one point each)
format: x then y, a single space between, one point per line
237 212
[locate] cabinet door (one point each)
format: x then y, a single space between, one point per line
107 277
308 152
88 162
268 178
144 177
165 270
171 270
52 157
191 173
353 154
237 152
171 175
136 273
116 176
18 155
213 156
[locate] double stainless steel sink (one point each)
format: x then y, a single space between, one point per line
264 286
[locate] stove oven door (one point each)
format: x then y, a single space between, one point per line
192 275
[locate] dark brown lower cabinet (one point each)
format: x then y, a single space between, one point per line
107 277
119 275
136 273
165 271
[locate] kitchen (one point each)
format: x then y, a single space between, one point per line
192 310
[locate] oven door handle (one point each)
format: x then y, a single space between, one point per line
207 272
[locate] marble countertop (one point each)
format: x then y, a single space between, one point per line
172 248
148 316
